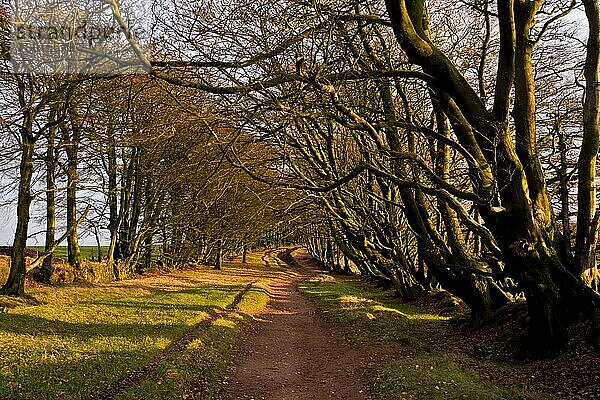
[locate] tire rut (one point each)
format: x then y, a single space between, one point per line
178 346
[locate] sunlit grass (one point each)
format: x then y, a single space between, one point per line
75 342
77 350
373 314
196 373
370 315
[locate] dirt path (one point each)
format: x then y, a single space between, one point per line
291 353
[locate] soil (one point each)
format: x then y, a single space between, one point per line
291 353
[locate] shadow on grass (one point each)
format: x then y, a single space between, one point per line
25 300
22 324
72 379
371 315
72 351
118 310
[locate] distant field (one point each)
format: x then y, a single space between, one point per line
86 251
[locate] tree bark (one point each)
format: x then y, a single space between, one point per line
98 244
136 203
245 254
72 138
219 255
113 224
124 241
524 113
565 250
15 285
50 164
585 246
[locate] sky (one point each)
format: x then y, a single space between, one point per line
8 224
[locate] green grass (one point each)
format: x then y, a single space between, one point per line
432 376
74 351
87 252
83 338
196 372
372 316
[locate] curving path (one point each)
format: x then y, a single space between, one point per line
291 353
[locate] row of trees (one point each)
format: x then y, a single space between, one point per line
438 144
435 144
132 162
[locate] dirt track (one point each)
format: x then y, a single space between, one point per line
291 353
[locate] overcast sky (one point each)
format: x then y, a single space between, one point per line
7 225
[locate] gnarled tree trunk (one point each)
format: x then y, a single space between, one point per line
519 218
15 285
587 228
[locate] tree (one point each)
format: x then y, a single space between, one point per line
350 85
35 98
521 220
588 217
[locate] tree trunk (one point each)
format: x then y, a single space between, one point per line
15 285
563 177
148 252
555 297
50 163
72 149
127 176
518 222
585 247
98 244
219 255
245 254
136 203
113 224
524 113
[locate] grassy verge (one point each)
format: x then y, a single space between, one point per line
196 373
372 316
80 340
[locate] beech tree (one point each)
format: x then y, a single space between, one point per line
419 134
34 96
386 77
521 217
